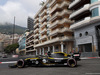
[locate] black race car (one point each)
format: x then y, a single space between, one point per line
57 58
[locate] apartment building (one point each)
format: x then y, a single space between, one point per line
30 43
21 42
51 29
87 25
30 23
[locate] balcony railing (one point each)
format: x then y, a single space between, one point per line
65 29
59 30
57 39
74 3
65 11
52 3
43 37
54 32
36 25
81 23
30 46
43 18
44 30
65 3
79 11
45 23
65 20
43 12
36 40
36 35
36 30
37 19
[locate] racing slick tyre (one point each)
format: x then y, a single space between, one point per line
20 63
12 65
72 62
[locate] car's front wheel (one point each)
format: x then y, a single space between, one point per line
72 62
20 63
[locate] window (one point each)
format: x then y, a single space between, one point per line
92 1
56 47
95 12
80 34
48 31
48 5
86 33
48 18
64 46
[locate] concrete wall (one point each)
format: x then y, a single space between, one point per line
86 39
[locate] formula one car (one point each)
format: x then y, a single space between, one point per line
57 58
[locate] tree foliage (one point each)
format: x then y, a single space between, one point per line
11 48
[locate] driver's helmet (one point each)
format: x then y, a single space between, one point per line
49 53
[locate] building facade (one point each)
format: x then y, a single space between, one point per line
30 43
22 40
30 23
51 29
87 25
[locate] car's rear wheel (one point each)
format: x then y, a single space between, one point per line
72 62
20 63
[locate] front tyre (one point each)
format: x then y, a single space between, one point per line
72 62
20 63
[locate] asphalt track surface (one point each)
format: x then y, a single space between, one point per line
85 67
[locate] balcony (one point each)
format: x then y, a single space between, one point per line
75 2
36 35
81 23
95 3
30 46
57 39
52 2
42 25
85 22
59 30
60 22
36 25
30 51
65 11
48 42
80 11
65 29
43 37
65 3
36 40
43 31
36 30
43 12
45 17
37 19
66 38
54 32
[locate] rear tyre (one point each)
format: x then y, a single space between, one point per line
20 63
72 62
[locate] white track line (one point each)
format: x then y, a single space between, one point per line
8 62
